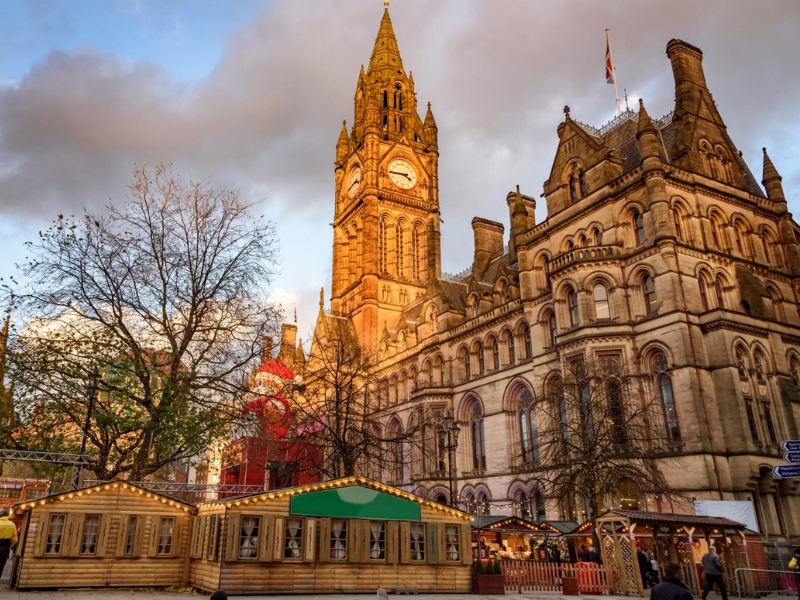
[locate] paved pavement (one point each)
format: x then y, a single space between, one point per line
161 595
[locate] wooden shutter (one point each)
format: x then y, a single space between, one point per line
213 537
153 534
309 539
466 544
277 546
177 542
138 536
232 531
103 529
41 539
325 540
392 540
405 542
71 544
353 540
442 540
265 538
432 543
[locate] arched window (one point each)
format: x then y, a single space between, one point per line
481 358
546 270
718 287
573 189
441 449
483 508
582 182
701 280
383 243
678 217
601 308
794 369
494 350
649 291
527 341
396 461
385 99
438 369
663 382
551 322
478 440
528 426
598 237
638 227
400 255
539 506
572 304
583 241
512 355
463 359
522 505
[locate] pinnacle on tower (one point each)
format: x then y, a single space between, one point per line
385 60
343 144
645 123
772 180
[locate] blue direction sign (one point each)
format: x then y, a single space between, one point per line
786 471
791 457
791 446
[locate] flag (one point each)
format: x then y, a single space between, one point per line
609 64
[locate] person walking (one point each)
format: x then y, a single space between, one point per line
653 567
794 565
712 565
583 554
8 537
672 588
644 567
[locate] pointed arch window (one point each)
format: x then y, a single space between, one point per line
546 271
495 352
529 436
678 217
665 390
463 359
527 341
718 287
703 297
400 243
598 237
582 183
794 369
649 290
601 307
481 358
512 355
573 189
551 321
572 304
385 101
383 245
638 226
478 439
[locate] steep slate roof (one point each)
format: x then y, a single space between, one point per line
619 135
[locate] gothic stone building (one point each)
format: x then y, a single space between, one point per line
660 251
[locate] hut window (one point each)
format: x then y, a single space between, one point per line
338 538
248 537
293 539
55 533
417 541
165 536
131 537
212 538
451 542
91 526
11 490
377 540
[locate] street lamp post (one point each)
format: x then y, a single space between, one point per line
92 387
452 429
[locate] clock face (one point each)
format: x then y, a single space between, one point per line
354 183
402 173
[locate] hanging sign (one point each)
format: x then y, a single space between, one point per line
787 471
791 445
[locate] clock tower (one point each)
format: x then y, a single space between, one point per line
386 221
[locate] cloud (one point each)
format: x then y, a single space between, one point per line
266 118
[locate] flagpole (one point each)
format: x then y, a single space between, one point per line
613 72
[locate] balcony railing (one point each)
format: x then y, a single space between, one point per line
588 254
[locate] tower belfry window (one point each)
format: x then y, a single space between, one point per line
385 99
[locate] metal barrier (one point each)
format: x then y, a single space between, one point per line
756 583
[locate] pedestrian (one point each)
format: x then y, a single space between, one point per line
8 537
653 567
219 595
794 565
672 588
583 554
644 567
593 555
712 565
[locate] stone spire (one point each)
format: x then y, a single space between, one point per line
647 134
385 59
772 180
429 128
343 144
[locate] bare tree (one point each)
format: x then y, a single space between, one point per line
339 411
599 437
163 296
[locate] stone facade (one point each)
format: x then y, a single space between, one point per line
660 250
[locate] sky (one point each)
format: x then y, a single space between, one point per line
253 93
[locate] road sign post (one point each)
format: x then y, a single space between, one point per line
791 457
791 445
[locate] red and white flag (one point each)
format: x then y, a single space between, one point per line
609 63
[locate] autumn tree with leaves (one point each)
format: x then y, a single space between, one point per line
163 295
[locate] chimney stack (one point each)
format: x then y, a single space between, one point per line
488 243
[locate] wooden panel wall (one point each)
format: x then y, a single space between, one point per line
312 572
108 567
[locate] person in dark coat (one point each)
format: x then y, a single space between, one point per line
593 555
712 565
672 588
219 595
644 567
583 553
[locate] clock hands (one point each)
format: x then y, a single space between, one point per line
399 173
355 182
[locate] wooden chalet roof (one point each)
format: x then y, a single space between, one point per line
97 490
665 519
507 523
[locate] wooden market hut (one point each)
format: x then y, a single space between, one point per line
348 535
672 537
113 534
499 536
